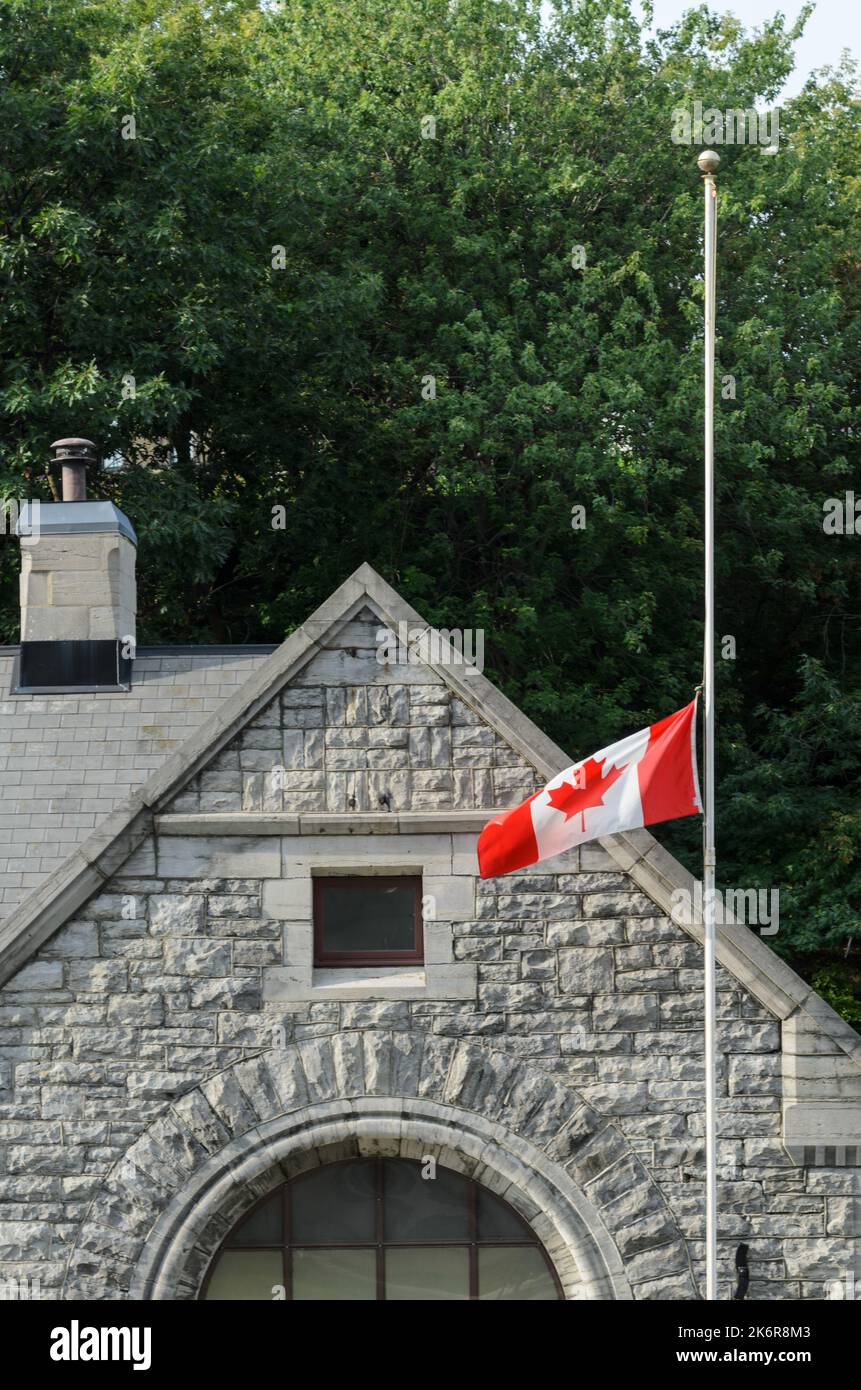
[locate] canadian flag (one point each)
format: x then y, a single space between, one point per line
648 777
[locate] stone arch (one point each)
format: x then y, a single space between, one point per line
164 1209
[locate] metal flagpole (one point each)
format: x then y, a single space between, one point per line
708 163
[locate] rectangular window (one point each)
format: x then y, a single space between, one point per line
368 920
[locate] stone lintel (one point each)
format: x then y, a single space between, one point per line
352 823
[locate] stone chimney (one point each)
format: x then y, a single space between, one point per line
78 594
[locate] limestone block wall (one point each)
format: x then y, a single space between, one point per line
363 747
578 978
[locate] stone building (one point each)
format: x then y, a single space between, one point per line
264 1032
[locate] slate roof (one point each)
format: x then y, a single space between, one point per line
66 761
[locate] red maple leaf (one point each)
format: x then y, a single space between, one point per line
588 789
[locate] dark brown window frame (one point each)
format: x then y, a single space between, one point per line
380 1242
324 959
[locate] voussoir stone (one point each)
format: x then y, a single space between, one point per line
230 1103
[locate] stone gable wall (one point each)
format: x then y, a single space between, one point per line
384 746
156 989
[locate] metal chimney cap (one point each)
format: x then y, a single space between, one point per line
73 519
83 449
74 455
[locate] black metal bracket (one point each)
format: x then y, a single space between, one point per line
743 1272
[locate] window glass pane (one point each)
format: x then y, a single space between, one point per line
418 1208
427 1274
514 1274
335 1205
334 1275
425 1224
262 1227
246 1274
496 1220
368 916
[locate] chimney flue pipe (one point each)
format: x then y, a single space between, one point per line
74 455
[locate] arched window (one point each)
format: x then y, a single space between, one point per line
381 1228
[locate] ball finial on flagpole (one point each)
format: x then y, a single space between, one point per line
708 161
